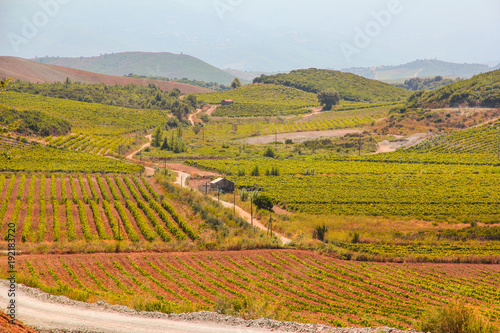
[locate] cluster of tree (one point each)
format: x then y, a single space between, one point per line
175 144
30 122
417 83
130 95
480 90
209 85
350 87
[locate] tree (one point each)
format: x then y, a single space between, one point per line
157 135
164 145
191 99
236 83
328 98
263 201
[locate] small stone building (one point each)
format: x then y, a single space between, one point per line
227 102
222 184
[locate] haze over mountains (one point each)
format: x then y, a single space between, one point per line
162 64
421 68
179 66
28 70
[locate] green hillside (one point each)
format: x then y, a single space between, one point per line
84 117
350 87
262 100
480 90
142 63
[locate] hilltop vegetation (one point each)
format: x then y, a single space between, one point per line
130 95
481 90
415 84
208 85
143 63
350 87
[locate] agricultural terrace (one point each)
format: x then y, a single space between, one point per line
283 284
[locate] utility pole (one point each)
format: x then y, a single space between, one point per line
359 146
275 136
271 224
251 210
165 172
218 193
234 200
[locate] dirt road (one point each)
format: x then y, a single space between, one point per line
387 146
44 314
301 136
149 171
181 180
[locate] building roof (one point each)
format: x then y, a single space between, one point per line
216 180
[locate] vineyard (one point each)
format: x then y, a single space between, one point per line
483 139
74 207
262 100
91 143
378 189
293 285
88 118
46 159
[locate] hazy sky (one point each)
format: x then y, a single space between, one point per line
262 35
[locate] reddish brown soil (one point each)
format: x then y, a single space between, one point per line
366 288
28 70
17 327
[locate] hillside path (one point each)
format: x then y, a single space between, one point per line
149 171
181 180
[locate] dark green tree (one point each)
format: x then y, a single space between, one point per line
263 201
157 135
328 98
236 83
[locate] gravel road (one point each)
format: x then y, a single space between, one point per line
48 313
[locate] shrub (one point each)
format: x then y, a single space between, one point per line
319 232
269 152
455 318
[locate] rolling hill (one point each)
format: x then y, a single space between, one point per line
350 87
28 70
143 63
420 68
480 90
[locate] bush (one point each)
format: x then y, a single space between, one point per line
263 201
269 152
455 318
319 232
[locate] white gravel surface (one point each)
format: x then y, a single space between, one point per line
48 313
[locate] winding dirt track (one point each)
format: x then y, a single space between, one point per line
45 315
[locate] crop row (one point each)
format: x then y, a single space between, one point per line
91 143
305 285
84 208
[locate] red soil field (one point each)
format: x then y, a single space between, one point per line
28 70
300 285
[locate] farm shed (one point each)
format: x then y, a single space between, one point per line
227 102
222 184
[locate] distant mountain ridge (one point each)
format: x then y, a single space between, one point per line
32 71
161 64
420 68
